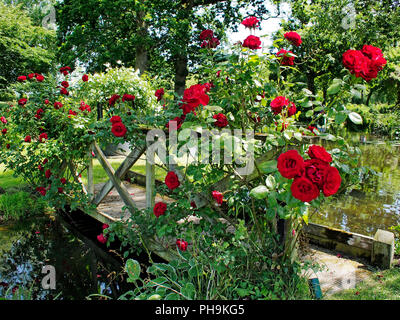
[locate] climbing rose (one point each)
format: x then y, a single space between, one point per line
48 173
293 37
113 99
250 22
195 95
292 109
218 196
65 70
304 190
315 171
4 120
8 146
31 75
178 121
222 121
22 101
43 137
85 78
206 34
101 238
172 180
375 55
65 84
64 91
182 244
318 152
290 164
105 226
212 43
252 42
128 97
57 105
159 209
115 119
46 101
28 139
118 129
286 59
41 190
278 103
159 94
332 181
355 62
21 78
39 77
4 131
63 180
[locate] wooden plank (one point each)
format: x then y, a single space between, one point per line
90 176
123 192
129 161
150 184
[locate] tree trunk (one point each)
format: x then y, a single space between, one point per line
369 97
181 72
142 59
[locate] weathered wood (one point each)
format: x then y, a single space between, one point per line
123 192
150 184
383 249
76 177
122 170
354 244
90 176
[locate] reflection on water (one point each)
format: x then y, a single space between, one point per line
80 271
377 204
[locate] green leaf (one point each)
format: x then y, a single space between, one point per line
270 182
154 297
340 118
334 87
355 118
268 166
132 268
189 291
259 192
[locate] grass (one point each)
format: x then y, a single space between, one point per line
7 180
14 206
383 285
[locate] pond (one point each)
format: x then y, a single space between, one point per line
377 204
82 267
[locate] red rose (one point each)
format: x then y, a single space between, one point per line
206 34
114 98
41 190
312 128
182 244
293 37
4 131
159 209
304 190
218 196
252 42
172 180
222 120
159 94
46 101
45 161
48 173
286 58
22 101
39 77
64 70
64 91
28 139
118 129
115 119
212 43
63 180
60 190
65 84
21 78
40 168
292 109
278 103
57 105
375 55
85 78
43 137
318 152
315 171
195 95
105 226
4 120
356 62
332 181
290 164
101 238
128 97
178 121
31 75
250 22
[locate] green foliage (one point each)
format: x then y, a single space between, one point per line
20 205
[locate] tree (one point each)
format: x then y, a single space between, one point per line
153 36
24 48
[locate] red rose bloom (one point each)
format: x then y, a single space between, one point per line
65 84
318 152
292 109
41 190
211 44
105 226
114 98
57 105
195 95
375 55
290 164
85 78
286 59
128 97
115 119
182 244
101 238
315 171
178 121
159 94
63 180
278 103
222 120
43 137
28 139
4 131
48 173
172 180
4 120
159 209
39 77
22 101
250 22
252 42
21 78
206 34
46 101
118 129
64 91
293 37
31 75
304 190
218 196
332 181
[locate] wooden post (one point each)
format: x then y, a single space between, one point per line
90 175
150 183
383 249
